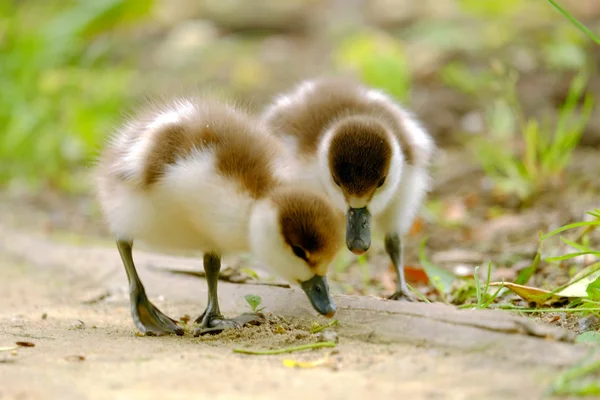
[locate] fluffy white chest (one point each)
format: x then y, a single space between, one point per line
192 208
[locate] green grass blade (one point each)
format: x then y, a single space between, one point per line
575 22
532 132
492 297
418 294
575 245
569 226
573 255
526 274
477 287
595 213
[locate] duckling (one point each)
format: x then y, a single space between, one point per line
369 154
197 175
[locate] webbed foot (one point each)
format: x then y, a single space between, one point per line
403 295
216 323
150 321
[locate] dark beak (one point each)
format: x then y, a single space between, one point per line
317 290
358 230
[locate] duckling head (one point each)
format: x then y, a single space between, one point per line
360 163
297 233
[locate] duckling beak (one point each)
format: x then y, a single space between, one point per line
317 290
358 230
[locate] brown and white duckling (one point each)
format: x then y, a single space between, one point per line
364 150
197 175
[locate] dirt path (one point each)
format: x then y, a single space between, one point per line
386 349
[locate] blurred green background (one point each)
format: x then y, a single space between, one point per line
70 69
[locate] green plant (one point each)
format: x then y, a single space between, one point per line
484 299
582 291
61 92
317 327
521 155
254 301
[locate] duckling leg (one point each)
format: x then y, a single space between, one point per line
147 318
211 320
394 248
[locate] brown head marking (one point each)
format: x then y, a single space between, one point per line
359 155
332 100
310 225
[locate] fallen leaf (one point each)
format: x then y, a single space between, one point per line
577 287
25 344
531 294
415 275
229 273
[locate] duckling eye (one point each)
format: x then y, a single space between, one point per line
299 252
381 182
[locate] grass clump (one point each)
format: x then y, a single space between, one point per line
524 156
61 87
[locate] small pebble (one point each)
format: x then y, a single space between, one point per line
79 324
328 336
75 358
44 315
588 323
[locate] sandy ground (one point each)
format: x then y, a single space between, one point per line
91 351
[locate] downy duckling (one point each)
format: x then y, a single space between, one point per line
198 175
369 154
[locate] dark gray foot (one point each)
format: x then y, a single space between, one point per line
211 320
403 295
213 324
150 321
394 248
